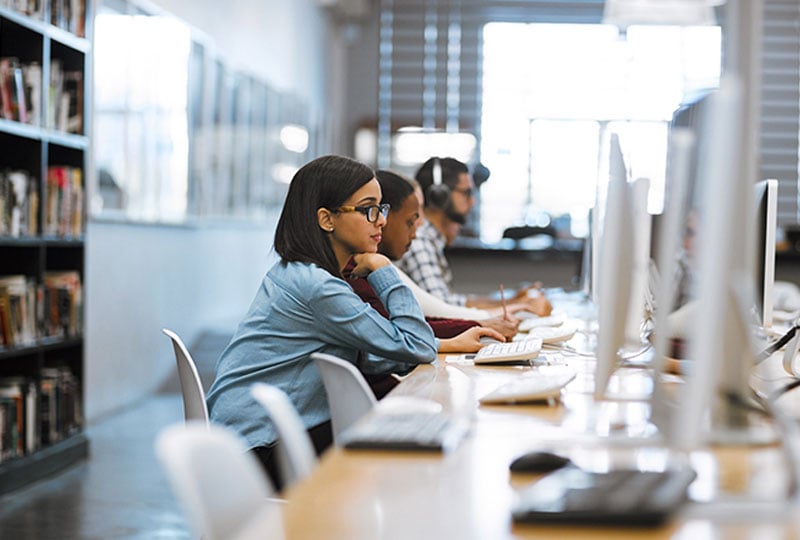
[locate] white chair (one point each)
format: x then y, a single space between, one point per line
349 395
194 397
220 486
296 456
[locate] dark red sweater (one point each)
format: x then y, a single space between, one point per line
442 328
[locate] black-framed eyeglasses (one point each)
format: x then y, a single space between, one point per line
466 192
371 212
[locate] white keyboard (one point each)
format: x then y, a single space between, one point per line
549 334
535 322
513 351
405 431
528 388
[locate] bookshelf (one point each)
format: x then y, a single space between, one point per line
44 97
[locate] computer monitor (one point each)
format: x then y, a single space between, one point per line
680 151
720 347
640 247
587 256
766 192
615 270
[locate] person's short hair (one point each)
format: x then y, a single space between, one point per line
451 169
394 187
325 182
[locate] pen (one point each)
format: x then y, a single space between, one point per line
503 300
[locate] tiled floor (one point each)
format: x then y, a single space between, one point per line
120 492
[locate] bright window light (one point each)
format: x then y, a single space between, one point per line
546 118
413 146
283 172
294 138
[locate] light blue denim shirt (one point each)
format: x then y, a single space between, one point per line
300 309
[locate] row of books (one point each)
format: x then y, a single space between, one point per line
65 98
19 203
64 210
30 311
35 413
64 203
67 14
21 94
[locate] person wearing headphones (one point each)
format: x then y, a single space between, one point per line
449 195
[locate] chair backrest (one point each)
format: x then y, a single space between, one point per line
220 486
194 397
349 395
296 456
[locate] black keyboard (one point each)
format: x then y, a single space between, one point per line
405 431
619 497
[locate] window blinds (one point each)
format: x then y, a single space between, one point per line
780 103
430 72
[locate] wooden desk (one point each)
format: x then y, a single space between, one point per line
467 493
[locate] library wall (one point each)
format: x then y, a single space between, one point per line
145 278
192 278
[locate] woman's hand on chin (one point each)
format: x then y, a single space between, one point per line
368 262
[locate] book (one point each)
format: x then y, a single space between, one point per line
32 79
17 215
6 325
72 111
18 95
60 411
54 92
9 428
18 310
32 221
12 392
64 208
6 91
77 12
63 298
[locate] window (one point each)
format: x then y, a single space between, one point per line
434 73
140 125
179 134
545 121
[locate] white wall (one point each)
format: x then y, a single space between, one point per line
140 278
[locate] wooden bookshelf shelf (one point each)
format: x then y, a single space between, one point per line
44 98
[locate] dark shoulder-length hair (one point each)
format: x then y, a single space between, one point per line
326 182
395 188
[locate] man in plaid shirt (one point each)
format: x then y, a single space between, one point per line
448 197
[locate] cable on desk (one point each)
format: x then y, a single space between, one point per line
781 342
784 389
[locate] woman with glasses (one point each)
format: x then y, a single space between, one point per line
456 334
332 216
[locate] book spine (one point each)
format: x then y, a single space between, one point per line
32 78
6 92
20 103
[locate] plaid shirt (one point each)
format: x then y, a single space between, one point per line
426 264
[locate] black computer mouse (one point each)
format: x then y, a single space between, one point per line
538 462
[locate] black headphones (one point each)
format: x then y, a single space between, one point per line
438 193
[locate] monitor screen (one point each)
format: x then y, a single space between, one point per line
766 222
615 270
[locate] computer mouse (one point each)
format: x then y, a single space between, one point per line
538 462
